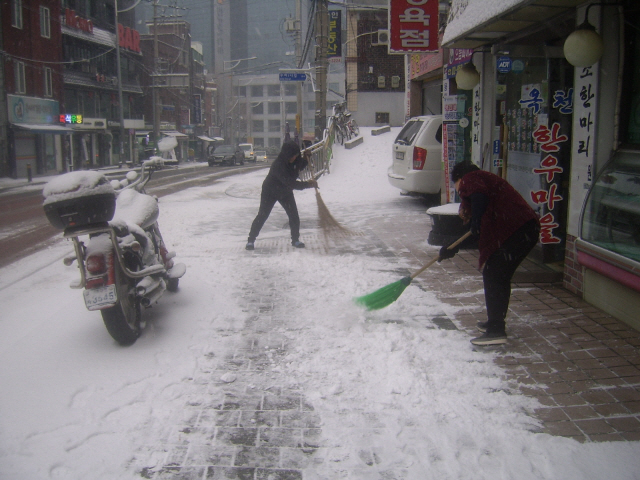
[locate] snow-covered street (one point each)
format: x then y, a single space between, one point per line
354 394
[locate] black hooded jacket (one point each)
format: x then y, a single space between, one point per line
283 175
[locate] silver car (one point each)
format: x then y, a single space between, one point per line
417 157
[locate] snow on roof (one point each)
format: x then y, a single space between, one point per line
475 14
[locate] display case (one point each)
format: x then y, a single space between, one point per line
611 217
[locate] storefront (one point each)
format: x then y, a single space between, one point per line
564 135
35 138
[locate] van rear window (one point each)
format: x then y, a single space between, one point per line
409 132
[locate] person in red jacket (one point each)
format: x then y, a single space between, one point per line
506 228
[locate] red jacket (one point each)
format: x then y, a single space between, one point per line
506 210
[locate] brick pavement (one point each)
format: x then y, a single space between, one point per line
580 363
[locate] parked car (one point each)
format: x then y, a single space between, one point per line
249 154
226 154
261 155
417 157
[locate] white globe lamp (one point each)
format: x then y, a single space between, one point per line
584 46
467 77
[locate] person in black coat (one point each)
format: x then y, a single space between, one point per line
279 185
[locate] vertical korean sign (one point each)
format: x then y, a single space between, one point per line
413 26
334 42
583 147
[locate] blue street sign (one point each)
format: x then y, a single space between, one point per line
293 77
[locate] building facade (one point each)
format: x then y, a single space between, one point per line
560 127
31 88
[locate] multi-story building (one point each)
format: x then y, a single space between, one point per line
172 81
92 89
261 107
31 137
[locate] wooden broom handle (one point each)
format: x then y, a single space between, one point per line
435 259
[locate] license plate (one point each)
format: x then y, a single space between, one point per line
400 155
101 297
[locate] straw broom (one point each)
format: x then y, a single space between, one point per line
387 295
329 225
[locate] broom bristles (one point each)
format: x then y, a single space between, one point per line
384 296
328 224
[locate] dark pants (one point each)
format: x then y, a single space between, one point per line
267 201
499 270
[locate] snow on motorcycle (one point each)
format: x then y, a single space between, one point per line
123 261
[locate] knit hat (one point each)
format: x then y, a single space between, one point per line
289 149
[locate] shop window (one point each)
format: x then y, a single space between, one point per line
45 22
48 82
20 77
611 217
631 89
16 13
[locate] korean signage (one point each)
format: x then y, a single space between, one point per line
334 43
129 38
23 109
583 144
70 119
292 77
413 26
197 109
74 21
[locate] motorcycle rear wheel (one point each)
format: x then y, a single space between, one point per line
123 319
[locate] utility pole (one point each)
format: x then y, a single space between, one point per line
156 110
322 35
119 72
299 122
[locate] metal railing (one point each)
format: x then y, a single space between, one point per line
321 154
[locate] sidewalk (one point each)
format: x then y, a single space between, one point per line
581 364
578 361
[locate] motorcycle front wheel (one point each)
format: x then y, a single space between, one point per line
123 319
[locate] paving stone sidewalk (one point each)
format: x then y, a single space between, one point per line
580 363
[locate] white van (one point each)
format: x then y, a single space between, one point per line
249 153
417 157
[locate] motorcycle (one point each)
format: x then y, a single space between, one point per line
123 261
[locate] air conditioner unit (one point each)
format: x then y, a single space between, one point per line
381 38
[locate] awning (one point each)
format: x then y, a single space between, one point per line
206 139
44 128
174 134
483 23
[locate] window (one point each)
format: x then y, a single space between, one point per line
291 107
20 77
48 82
45 22
16 13
273 90
274 125
273 107
257 126
383 117
257 91
290 89
258 109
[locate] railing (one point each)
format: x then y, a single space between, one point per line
321 153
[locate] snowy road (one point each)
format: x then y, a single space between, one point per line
375 399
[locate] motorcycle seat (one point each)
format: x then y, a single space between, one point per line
136 208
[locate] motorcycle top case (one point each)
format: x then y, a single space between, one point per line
79 198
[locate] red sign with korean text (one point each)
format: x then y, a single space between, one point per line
413 26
